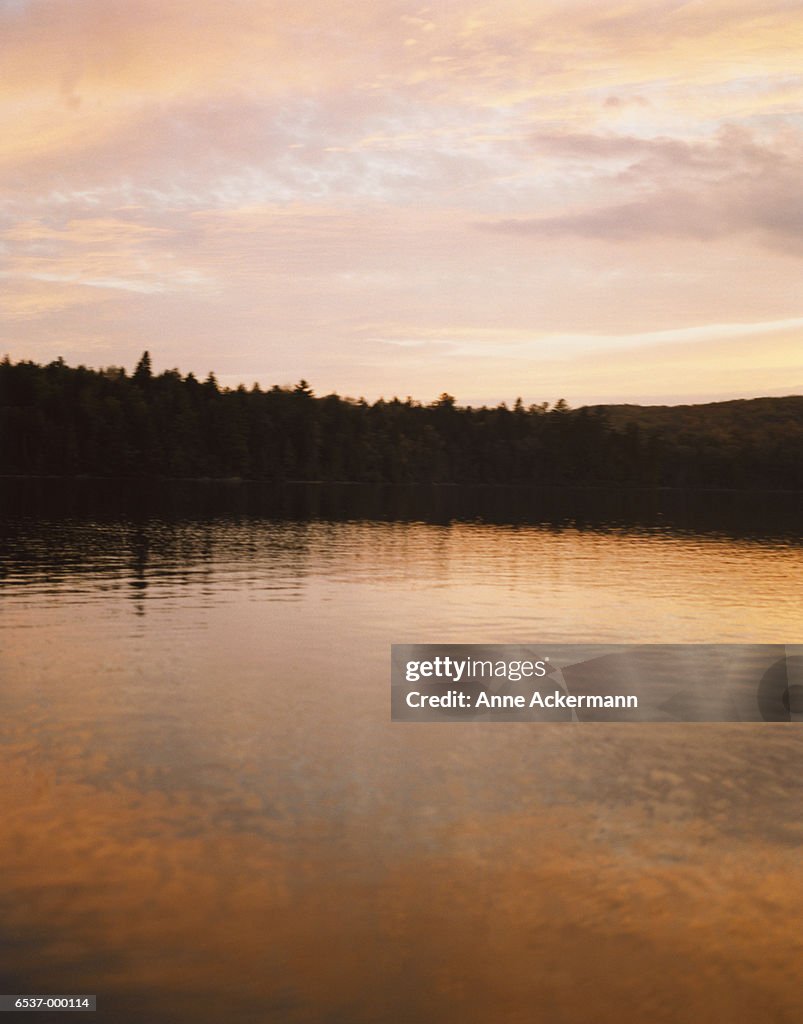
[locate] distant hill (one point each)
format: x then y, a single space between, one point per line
738 443
737 416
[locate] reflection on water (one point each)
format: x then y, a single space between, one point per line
726 513
208 816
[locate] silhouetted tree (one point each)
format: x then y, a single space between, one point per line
143 372
57 419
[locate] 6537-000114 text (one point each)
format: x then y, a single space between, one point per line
48 1003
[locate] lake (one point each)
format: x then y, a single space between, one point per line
208 815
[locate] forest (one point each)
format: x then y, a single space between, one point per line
74 421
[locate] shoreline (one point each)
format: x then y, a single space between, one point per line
475 485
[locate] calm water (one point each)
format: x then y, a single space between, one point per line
208 816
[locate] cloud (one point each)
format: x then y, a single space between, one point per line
680 189
488 343
97 253
618 102
268 188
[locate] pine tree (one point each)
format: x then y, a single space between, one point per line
143 372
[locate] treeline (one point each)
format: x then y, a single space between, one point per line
59 420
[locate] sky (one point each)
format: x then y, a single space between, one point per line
599 201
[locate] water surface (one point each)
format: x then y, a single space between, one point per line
208 815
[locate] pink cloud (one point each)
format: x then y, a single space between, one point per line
278 191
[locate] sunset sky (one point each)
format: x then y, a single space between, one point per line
596 200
